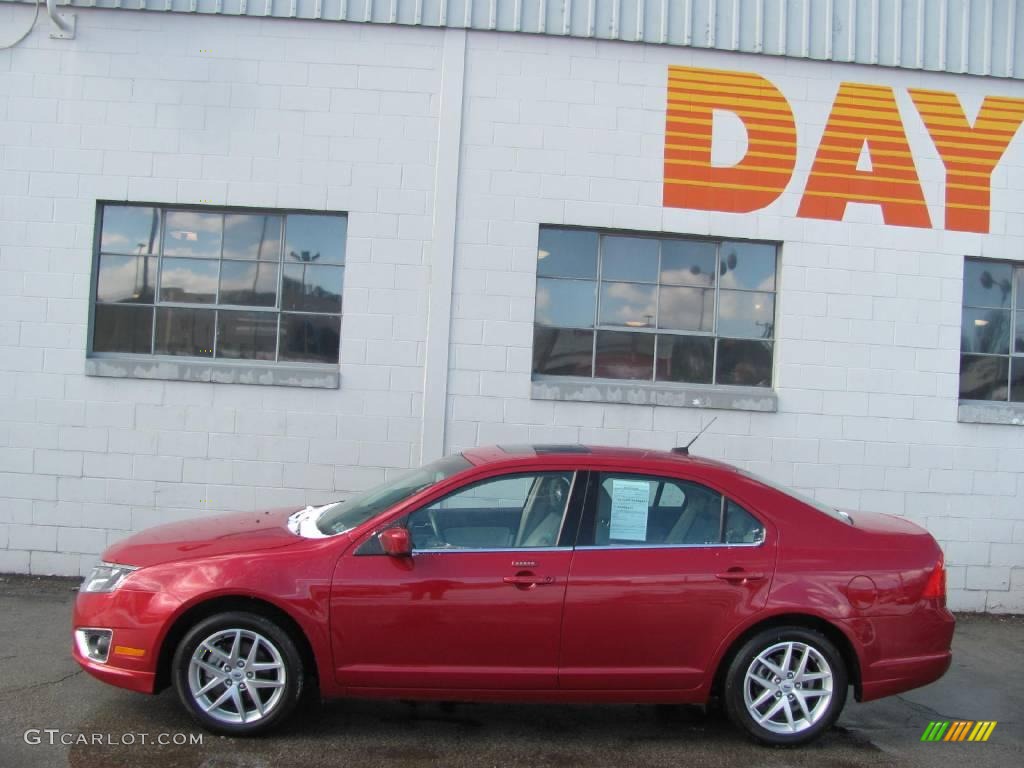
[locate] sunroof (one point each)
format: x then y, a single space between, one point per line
544 449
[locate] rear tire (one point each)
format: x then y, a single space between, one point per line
786 686
238 674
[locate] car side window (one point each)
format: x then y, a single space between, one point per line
640 510
741 527
511 511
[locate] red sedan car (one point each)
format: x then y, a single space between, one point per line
543 573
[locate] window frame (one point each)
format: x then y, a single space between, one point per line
588 522
597 327
1015 314
212 368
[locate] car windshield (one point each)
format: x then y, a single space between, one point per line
346 515
838 514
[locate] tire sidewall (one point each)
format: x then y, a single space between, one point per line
736 678
294 672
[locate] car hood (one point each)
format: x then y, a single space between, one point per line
205 537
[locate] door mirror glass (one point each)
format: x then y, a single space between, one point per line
396 542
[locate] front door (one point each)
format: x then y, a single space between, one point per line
479 603
664 569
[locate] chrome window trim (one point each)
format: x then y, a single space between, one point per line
477 550
672 546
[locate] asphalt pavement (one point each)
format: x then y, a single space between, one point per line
52 714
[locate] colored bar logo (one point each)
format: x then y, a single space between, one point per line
959 730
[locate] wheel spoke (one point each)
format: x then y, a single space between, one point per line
811 676
802 701
257 702
210 669
264 666
803 662
789 714
787 659
209 686
815 692
772 711
772 667
236 698
765 695
236 645
219 700
265 683
251 658
214 650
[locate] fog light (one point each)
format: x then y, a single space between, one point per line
94 644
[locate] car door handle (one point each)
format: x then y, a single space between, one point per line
528 580
739 576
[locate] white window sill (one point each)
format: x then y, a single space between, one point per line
219 371
988 412
650 393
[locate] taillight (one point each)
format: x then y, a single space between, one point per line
935 588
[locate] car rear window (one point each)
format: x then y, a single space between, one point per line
838 514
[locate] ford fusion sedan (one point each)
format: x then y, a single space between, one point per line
528 573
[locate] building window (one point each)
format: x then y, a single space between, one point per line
992 331
645 308
222 284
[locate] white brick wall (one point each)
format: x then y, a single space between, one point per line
555 131
276 114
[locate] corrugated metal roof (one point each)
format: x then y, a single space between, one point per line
979 37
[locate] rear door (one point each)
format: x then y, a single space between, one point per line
664 568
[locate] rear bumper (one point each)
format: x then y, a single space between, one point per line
893 676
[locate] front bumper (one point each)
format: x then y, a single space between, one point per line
135 641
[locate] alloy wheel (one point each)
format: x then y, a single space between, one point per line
788 687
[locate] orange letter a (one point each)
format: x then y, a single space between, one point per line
691 181
865 115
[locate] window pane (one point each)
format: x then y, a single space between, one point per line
122 329
741 527
688 262
1017 385
629 258
312 288
1018 344
744 363
315 238
563 351
248 282
566 253
519 511
750 266
194 234
624 355
252 237
192 281
628 304
686 309
130 229
633 510
987 283
685 358
984 378
746 314
565 302
310 338
985 330
126 279
1020 287
184 332
246 335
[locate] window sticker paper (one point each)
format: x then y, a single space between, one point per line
630 504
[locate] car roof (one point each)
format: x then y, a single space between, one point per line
587 455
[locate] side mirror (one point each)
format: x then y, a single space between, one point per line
396 542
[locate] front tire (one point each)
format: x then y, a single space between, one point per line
238 673
786 686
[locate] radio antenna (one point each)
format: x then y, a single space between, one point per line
685 449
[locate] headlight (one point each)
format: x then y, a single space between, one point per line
106 577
